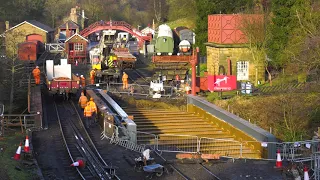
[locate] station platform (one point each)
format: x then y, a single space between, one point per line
35 103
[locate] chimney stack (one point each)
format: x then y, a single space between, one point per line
7 25
153 25
82 20
67 30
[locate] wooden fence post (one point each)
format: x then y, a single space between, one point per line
2 126
21 125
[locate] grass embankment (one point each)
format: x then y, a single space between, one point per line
11 169
168 104
189 23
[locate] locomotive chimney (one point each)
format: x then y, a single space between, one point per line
7 25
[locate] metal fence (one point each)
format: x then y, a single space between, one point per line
225 147
300 151
138 90
177 143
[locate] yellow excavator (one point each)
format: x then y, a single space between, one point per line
103 60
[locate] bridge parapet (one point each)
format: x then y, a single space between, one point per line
238 127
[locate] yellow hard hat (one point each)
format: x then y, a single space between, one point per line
91 99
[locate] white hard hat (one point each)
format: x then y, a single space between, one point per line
81 76
37 66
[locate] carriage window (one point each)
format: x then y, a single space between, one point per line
242 70
78 47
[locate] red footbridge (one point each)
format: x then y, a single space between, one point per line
116 25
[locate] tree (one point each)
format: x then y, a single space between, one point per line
159 8
12 70
56 9
303 46
257 35
284 22
204 8
181 9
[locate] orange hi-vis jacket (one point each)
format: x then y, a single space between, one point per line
36 72
83 81
93 106
83 100
87 111
125 78
92 73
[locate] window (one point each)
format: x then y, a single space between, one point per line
242 70
78 46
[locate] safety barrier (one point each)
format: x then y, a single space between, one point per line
223 147
177 143
315 166
301 151
138 90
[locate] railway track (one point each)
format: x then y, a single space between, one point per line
79 144
137 77
202 171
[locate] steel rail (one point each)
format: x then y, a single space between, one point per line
88 153
98 167
90 140
212 174
64 140
174 168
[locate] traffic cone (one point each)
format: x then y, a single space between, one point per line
18 152
305 174
279 161
79 163
26 145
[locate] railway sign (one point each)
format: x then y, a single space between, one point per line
222 83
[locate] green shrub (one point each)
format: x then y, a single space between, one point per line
302 78
211 97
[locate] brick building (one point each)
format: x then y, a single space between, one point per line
30 30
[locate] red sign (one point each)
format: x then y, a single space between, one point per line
222 83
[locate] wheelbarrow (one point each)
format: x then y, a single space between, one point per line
154 169
139 163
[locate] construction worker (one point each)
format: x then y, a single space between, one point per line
93 109
88 115
36 75
83 100
92 75
178 81
125 80
83 81
146 156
